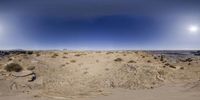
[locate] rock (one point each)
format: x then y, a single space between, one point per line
22 73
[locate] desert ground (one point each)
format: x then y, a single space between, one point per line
99 75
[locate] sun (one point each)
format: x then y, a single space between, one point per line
193 29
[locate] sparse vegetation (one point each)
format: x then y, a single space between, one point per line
65 53
13 67
77 55
162 58
72 61
131 61
172 66
149 61
107 69
29 52
118 59
54 55
37 54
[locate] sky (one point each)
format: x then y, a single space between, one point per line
100 24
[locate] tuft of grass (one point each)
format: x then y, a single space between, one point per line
37 54
77 55
65 53
149 61
131 61
72 61
13 67
118 59
54 55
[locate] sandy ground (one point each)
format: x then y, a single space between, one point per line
102 75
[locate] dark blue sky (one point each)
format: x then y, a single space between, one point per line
99 24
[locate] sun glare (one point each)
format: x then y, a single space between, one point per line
193 29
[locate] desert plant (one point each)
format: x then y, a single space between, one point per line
29 52
37 54
65 53
162 58
54 55
118 59
172 66
149 61
73 61
132 61
13 67
77 55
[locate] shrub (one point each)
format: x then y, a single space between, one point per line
73 61
162 58
13 67
65 53
77 55
37 54
29 52
54 55
131 61
118 59
149 61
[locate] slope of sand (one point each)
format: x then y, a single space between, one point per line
91 75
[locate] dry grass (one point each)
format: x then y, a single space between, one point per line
131 61
13 67
54 55
118 59
72 61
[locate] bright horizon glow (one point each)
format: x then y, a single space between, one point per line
193 29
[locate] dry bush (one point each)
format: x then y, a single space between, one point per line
132 61
54 55
143 56
65 53
162 58
118 59
13 67
37 54
29 52
172 66
72 61
77 55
